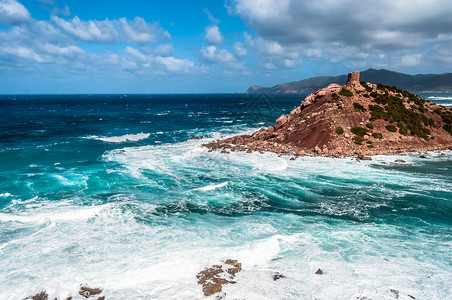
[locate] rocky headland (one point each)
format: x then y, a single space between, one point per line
358 118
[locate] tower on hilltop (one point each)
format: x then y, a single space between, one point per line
353 78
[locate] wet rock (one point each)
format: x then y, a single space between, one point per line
400 161
395 292
301 153
236 266
198 137
292 158
319 272
366 158
278 276
41 296
412 297
423 156
88 292
213 278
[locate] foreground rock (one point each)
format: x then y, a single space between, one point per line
213 278
358 118
85 291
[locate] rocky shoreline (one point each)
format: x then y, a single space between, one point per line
355 119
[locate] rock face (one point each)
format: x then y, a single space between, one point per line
358 118
213 278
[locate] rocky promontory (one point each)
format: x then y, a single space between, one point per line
358 118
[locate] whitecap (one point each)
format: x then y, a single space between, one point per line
211 187
121 139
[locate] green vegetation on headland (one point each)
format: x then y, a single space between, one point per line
447 118
393 109
346 93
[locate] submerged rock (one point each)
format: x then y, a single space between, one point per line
41 296
400 161
319 272
213 278
88 292
278 276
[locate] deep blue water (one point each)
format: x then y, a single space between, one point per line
113 191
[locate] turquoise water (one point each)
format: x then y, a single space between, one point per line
113 191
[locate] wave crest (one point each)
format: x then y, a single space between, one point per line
122 138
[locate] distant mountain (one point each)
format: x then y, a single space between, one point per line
437 83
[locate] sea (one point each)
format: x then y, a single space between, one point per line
117 192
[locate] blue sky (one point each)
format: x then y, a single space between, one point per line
55 46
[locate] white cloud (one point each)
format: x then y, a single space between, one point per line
240 50
274 55
347 30
12 12
140 31
176 65
110 31
210 16
150 63
213 35
92 31
214 55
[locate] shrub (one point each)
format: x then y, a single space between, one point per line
368 88
391 128
370 125
377 112
381 87
377 135
359 131
403 130
374 94
358 140
366 95
339 130
369 142
438 111
345 92
370 146
448 128
335 96
358 107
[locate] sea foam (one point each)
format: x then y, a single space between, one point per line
121 139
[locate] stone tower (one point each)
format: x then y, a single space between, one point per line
353 78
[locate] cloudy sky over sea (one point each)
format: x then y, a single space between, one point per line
53 46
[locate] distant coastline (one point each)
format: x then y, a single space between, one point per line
420 83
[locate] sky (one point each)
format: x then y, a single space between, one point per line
208 46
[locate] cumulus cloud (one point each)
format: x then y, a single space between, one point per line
214 55
12 12
213 35
37 41
240 49
347 29
381 23
148 62
57 41
272 54
110 31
